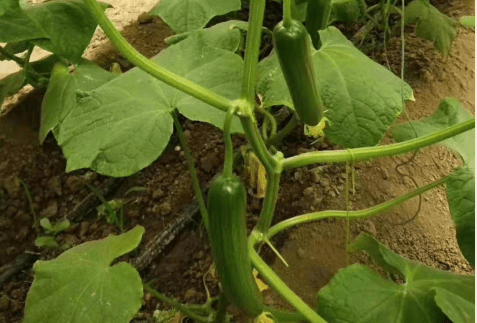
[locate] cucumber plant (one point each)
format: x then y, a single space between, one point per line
203 77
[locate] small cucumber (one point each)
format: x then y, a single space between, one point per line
293 47
228 235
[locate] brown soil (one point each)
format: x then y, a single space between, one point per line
314 251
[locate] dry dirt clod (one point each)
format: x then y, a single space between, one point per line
157 194
190 294
51 210
74 183
12 185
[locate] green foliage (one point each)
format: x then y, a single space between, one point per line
56 227
461 186
48 25
14 48
226 35
450 113
66 39
48 242
11 85
358 294
467 22
345 10
16 25
431 24
80 285
461 197
187 15
60 99
349 82
123 140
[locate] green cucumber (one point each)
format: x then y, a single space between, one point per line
293 47
228 235
317 17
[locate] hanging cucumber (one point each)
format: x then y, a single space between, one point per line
292 44
317 17
228 236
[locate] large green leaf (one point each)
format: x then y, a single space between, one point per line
187 15
358 294
60 98
68 24
362 97
81 285
458 309
461 186
226 35
124 125
11 85
450 113
431 24
341 10
345 10
16 25
461 198
467 22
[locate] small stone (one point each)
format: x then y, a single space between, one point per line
300 253
297 175
4 165
199 255
209 163
157 194
308 192
12 250
133 214
385 173
22 233
5 223
317 201
190 294
4 303
90 177
165 208
269 300
370 228
93 227
74 183
84 226
12 185
315 176
333 194
325 183
187 134
51 210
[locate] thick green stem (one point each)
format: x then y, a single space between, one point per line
317 17
270 120
359 154
229 147
192 171
152 68
268 208
275 281
285 316
10 56
257 10
372 211
187 312
258 145
284 132
287 12
221 309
